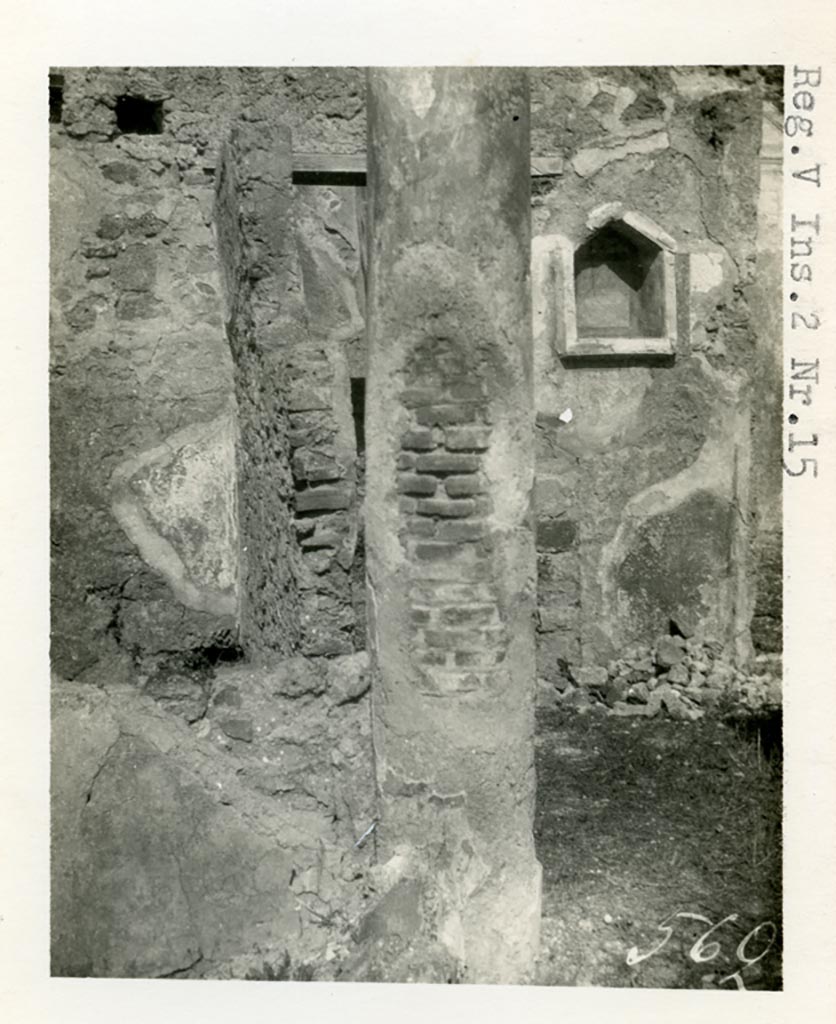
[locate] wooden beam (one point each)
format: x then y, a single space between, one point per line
350 168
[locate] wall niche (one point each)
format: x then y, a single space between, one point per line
617 289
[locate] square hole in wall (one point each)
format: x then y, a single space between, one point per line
56 98
138 116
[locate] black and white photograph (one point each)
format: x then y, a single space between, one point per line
419 445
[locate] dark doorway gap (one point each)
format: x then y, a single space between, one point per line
56 98
358 412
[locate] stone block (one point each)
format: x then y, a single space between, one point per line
591 677
316 499
138 306
120 172
556 534
160 859
316 466
111 226
551 496
668 652
348 677
238 728
310 400
135 268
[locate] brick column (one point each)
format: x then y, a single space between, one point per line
450 552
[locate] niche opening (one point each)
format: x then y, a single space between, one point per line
615 287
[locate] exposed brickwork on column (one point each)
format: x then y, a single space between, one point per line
446 532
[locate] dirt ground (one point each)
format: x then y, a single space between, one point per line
652 834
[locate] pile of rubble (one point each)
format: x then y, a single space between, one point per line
683 678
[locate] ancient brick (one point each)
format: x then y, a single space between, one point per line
407 506
462 639
420 616
322 539
442 463
419 527
556 534
434 552
412 397
467 438
438 592
469 615
406 460
418 440
315 466
435 658
478 659
322 498
442 415
463 486
447 508
411 483
462 531
464 391
310 400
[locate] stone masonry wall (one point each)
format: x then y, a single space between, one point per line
144 415
266 314
143 402
643 489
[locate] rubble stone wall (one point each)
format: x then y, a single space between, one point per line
644 504
144 420
145 410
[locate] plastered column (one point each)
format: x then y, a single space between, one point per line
450 551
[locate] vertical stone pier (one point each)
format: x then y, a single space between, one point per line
450 550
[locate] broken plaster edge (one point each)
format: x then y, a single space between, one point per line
154 549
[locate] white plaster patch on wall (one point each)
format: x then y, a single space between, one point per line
176 502
707 271
712 471
421 92
589 161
